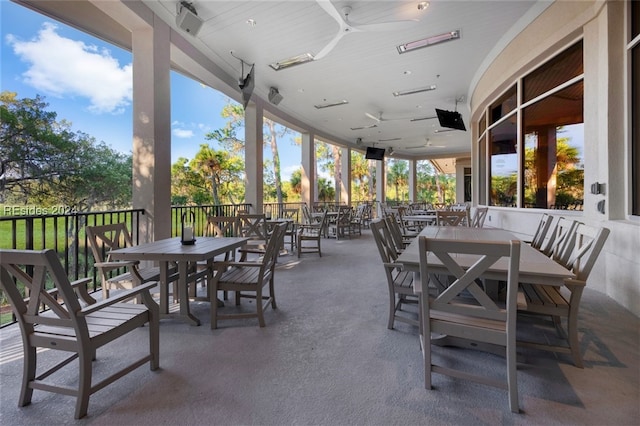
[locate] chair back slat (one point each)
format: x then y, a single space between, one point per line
451 218
111 237
541 232
222 226
253 226
467 261
585 249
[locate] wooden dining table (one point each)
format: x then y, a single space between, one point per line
205 249
535 267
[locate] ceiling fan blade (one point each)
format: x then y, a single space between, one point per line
373 117
384 26
329 47
364 127
331 10
423 118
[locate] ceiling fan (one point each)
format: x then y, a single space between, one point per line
346 27
426 144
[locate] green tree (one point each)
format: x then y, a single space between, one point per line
43 161
398 177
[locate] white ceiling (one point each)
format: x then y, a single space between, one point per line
364 68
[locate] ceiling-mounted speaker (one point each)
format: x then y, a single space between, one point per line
187 19
274 96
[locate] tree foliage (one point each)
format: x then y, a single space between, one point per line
43 161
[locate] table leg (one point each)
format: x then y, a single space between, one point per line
164 287
183 292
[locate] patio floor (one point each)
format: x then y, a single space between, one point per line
327 358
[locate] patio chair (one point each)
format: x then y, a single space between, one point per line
248 277
310 236
557 246
451 218
254 227
111 237
564 302
479 216
73 322
399 282
541 231
463 310
291 215
341 226
400 241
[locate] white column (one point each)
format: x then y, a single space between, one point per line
381 184
308 178
253 156
345 185
413 181
152 129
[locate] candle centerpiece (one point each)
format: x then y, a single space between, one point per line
188 223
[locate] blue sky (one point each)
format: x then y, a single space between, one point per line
88 82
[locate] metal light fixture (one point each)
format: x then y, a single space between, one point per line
294 60
414 91
429 41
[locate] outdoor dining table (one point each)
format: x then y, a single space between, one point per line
535 266
205 249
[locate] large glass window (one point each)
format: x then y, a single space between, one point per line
553 151
503 142
543 166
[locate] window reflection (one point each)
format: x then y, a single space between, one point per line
503 140
553 151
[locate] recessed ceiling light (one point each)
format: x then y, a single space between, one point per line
429 41
413 91
331 104
407 72
294 60
251 22
423 5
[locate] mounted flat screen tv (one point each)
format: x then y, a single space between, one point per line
246 87
374 153
450 119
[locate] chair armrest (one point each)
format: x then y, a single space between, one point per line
81 290
225 265
108 266
573 282
121 297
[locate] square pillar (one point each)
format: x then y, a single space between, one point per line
152 129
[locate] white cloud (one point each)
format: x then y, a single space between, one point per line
182 133
63 67
287 171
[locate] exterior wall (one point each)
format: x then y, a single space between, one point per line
601 25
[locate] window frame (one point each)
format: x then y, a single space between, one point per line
483 139
633 110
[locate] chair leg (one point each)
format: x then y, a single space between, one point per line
572 337
259 308
272 293
28 375
392 308
512 381
84 386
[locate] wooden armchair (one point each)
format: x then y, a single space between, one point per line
311 233
451 218
563 302
253 226
540 235
479 216
291 215
399 282
463 310
111 237
248 277
74 322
